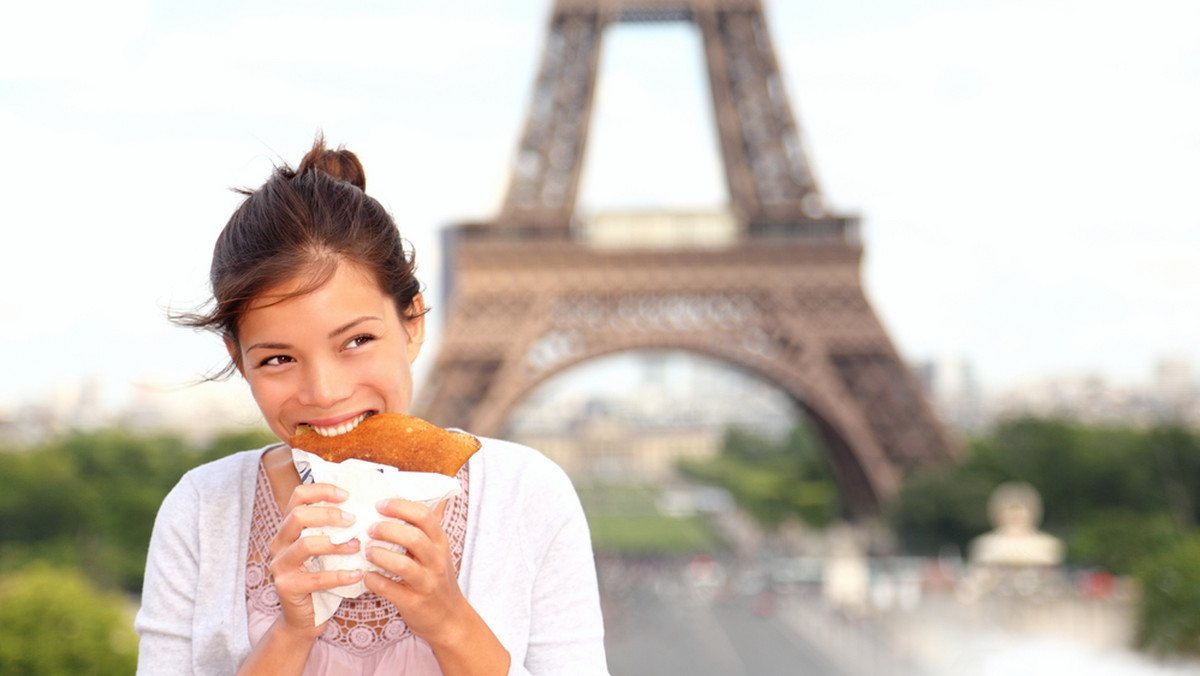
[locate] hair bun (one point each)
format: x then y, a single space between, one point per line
340 164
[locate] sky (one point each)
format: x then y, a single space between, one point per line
1025 171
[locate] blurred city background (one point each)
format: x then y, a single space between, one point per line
1018 176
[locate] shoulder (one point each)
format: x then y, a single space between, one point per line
515 482
220 468
512 452
518 464
221 475
217 481
209 500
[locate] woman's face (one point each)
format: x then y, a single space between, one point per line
329 357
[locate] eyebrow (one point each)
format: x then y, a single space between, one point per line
332 334
351 324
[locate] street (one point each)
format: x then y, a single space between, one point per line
666 620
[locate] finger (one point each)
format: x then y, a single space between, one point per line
308 517
319 545
405 510
409 539
303 496
398 565
307 494
304 584
386 586
431 549
403 571
294 556
426 520
401 533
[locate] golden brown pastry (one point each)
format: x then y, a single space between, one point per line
402 441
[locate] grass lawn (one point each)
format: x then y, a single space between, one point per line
624 519
623 534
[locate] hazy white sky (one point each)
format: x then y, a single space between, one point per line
1026 170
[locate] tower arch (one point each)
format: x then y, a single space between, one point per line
859 476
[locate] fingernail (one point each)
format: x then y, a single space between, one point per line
355 575
381 505
348 517
372 529
340 492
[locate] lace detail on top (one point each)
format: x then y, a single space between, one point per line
361 625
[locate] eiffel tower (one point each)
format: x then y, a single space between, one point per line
534 292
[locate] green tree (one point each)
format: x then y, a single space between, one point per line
1118 540
774 480
945 505
91 498
1175 453
1076 468
1169 611
54 622
1110 492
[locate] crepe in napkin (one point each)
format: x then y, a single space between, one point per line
367 483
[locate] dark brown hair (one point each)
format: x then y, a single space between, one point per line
301 224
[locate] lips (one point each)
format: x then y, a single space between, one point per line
335 430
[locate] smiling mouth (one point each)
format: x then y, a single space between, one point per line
338 429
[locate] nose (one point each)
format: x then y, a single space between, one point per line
325 384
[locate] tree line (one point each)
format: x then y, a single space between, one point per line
91 497
1113 494
75 521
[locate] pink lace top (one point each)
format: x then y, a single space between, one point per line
366 635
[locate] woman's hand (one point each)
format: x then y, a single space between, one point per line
426 592
289 552
425 589
284 649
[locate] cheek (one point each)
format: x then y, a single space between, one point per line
270 406
394 380
388 372
268 394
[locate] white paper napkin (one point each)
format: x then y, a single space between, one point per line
367 483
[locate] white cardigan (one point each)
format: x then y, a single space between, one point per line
527 567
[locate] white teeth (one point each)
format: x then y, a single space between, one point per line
340 429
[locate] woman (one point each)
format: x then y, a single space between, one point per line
316 299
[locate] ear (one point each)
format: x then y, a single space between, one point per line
235 354
415 327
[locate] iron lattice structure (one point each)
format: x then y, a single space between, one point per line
783 298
